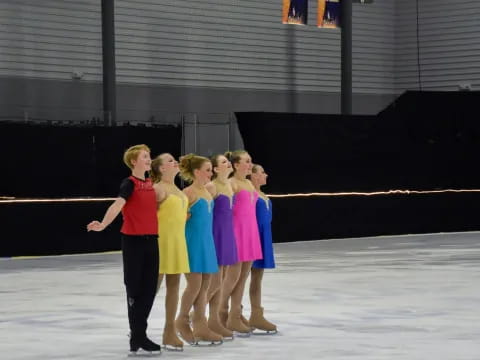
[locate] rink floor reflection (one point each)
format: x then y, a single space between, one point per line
403 297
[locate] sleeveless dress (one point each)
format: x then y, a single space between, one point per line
172 215
245 226
223 234
264 220
201 247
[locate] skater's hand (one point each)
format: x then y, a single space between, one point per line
95 226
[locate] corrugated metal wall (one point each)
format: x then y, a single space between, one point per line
243 44
448 44
235 44
51 39
374 47
196 43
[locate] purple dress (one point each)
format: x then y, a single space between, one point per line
223 234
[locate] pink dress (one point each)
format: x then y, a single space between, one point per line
245 226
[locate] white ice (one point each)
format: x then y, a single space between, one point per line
403 297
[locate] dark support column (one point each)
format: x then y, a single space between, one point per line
108 58
346 19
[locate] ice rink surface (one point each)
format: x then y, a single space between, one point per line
403 297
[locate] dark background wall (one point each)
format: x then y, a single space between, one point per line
53 162
423 141
331 217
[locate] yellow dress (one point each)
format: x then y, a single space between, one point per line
172 216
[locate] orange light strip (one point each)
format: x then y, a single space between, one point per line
375 193
7 200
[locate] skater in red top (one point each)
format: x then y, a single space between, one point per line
137 202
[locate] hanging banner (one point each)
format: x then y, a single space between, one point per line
295 12
328 14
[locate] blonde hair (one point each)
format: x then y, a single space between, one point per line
255 167
132 154
189 163
155 173
254 170
234 157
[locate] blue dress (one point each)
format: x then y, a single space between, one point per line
199 234
264 220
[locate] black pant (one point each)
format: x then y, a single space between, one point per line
140 270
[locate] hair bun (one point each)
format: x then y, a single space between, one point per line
186 160
228 155
188 163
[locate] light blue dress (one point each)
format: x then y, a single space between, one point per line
199 233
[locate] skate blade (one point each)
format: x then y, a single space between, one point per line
228 338
142 353
188 342
172 348
242 334
207 343
259 332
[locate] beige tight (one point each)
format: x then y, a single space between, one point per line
230 276
215 290
195 294
238 290
171 297
256 288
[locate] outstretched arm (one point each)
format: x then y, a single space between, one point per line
110 215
